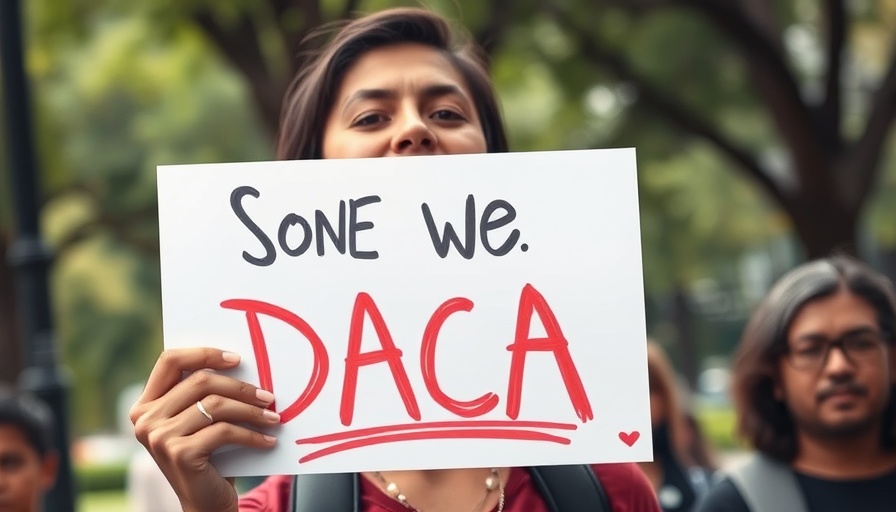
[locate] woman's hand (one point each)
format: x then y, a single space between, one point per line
172 426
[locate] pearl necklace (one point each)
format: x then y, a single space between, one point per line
492 482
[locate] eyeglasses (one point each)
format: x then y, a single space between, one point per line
858 347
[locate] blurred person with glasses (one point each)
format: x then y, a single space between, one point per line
814 385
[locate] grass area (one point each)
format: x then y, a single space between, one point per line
103 501
718 424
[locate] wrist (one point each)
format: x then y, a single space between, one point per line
233 508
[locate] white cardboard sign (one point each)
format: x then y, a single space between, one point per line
418 312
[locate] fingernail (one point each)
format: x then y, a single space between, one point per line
270 439
271 415
264 395
230 357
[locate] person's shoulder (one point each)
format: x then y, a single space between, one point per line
722 497
626 487
272 495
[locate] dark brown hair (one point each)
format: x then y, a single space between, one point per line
663 383
764 420
31 416
311 94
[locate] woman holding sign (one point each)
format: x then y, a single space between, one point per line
389 84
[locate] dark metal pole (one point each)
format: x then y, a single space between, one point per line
29 256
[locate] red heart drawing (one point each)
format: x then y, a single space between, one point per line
630 438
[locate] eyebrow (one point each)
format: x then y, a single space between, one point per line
812 336
429 92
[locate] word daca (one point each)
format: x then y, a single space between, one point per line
531 301
344 234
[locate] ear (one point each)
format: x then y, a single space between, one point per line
49 469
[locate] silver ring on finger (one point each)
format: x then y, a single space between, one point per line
204 412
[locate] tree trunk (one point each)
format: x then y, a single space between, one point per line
886 261
683 320
11 362
825 228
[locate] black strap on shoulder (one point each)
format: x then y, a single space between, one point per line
331 492
571 488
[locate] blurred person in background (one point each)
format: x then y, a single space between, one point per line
814 385
699 450
28 461
676 477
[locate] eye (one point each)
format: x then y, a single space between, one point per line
11 462
809 350
368 120
865 343
447 115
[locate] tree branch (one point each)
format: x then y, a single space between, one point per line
672 109
350 7
77 187
490 36
865 153
290 39
312 19
778 86
238 42
831 109
73 238
121 229
737 26
637 6
240 45
762 13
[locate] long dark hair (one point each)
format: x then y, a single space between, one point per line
762 419
311 94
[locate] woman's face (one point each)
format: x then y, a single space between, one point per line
403 99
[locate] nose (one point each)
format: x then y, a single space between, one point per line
413 135
837 362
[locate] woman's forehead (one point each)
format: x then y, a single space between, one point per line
401 65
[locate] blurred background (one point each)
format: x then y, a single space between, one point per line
763 130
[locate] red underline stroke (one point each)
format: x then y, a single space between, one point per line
460 433
365 432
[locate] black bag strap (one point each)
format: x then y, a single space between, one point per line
329 492
573 488
570 488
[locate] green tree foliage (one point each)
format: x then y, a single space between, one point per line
752 120
827 107
116 97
